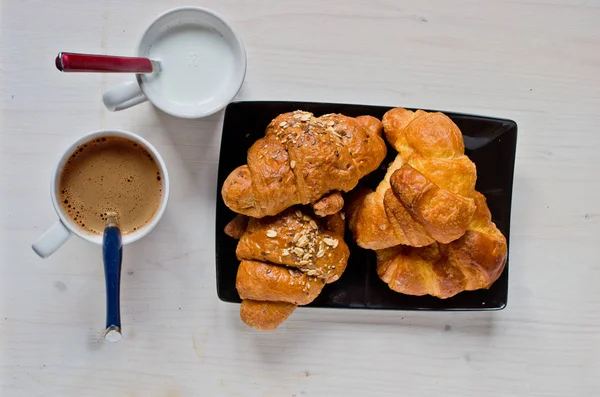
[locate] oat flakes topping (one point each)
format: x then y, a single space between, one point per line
271 233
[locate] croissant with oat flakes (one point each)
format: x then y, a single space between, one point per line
286 260
302 158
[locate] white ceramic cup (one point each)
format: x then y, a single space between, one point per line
55 236
144 88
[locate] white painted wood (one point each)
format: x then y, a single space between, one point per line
537 62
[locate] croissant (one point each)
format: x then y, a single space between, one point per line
427 192
474 261
286 260
300 159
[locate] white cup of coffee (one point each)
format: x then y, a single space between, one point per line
203 64
130 179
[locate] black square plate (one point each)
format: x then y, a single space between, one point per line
490 143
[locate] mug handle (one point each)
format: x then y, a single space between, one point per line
52 239
123 96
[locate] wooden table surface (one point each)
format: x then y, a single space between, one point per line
536 62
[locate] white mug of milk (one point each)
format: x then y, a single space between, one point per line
202 65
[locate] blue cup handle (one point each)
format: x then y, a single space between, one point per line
112 254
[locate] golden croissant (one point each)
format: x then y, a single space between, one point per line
303 158
427 192
286 260
474 261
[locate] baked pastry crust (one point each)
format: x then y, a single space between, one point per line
474 261
427 192
329 204
287 258
300 159
265 316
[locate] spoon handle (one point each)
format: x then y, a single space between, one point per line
72 62
112 254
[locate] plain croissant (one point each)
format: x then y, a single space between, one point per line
427 192
474 261
286 260
302 158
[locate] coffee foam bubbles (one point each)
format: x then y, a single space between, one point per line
110 174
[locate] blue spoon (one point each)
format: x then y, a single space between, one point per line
112 253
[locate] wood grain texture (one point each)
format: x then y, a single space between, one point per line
533 61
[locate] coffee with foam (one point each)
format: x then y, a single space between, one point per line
110 174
